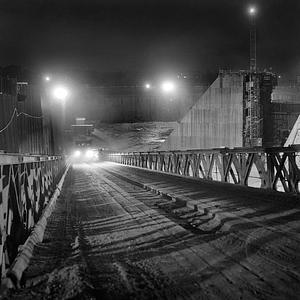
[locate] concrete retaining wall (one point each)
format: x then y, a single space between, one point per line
216 120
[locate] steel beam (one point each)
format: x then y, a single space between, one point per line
274 168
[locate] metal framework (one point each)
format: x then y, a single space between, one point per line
257 90
268 168
253 120
26 184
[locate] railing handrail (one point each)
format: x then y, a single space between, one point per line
26 185
274 168
289 149
17 158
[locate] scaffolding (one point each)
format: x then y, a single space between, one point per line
258 87
253 130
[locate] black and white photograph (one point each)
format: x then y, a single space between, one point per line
150 149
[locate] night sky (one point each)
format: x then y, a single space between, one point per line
147 36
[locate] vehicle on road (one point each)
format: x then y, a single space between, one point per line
85 154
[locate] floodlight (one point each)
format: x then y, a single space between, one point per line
252 10
60 93
168 86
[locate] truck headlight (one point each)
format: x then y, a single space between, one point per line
89 154
77 153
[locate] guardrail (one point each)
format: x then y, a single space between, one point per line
269 168
26 185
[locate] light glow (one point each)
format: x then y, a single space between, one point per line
47 78
89 153
77 153
252 10
168 86
148 86
60 93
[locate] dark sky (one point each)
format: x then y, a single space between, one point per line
147 35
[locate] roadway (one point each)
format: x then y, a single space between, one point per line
124 233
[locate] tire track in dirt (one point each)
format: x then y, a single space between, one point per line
223 281
259 262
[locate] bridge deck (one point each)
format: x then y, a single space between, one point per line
112 239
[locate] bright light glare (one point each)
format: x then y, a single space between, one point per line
168 86
77 153
147 85
89 154
47 78
60 93
252 10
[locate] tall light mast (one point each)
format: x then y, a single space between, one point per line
253 130
252 15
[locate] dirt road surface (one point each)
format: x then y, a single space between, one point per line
111 239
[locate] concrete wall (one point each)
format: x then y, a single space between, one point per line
20 132
286 94
294 136
8 134
285 111
284 116
30 129
216 120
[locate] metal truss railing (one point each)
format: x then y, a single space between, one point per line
26 185
269 168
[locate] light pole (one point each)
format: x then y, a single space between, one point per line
60 94
254 133
162 90
252 14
